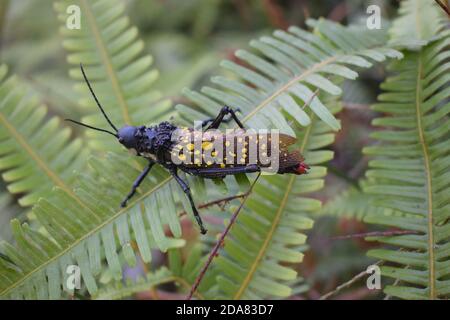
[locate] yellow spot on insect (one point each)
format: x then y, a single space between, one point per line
232 154
190 146
197 152
196 161
244 150
208 163
222 165
182 157
214 153
242 160
263 146
207 145
227 143
244 156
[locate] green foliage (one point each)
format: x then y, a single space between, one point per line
290 80
83 225
186 270
284 74
8 210
119 290
35 153
283 79
263 247
353 203
419 22
111 52
410 173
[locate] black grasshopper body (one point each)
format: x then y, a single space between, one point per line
207 153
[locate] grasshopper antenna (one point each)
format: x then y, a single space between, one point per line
91 127
95 98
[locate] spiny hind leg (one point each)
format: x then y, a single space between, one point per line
187 191
215 123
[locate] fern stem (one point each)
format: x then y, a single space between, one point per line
426 159
284 88
40 162
348 283
107 62
374 234
220 202
266 243
219 243
84 237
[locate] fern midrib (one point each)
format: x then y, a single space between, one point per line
107 62
426 158
274 224
87 235
290 83
418 19
36 157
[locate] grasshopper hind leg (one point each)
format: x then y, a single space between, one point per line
187 192
215 122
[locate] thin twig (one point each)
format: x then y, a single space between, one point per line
220 202
348 283
375 234
444 7
219 243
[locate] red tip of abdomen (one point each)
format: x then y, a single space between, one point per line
302 168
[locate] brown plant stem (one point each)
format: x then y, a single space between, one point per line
348 283
444 6
220 202
214 251
375 234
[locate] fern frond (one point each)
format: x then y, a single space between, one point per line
82 226
111 51
268 238
419 22
8 210
410 173
36 153
270 89
119 290
353 203
185 272
284 72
